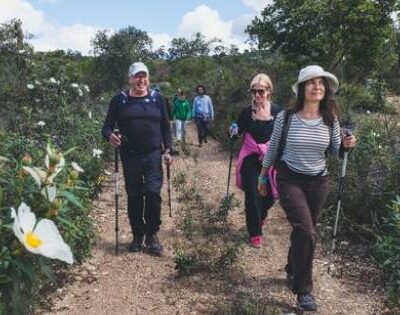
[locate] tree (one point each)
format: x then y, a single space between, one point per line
182 48
352 34
115 53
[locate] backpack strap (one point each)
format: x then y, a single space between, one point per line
288 114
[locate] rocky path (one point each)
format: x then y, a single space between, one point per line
142 284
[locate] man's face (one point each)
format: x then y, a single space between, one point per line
139 83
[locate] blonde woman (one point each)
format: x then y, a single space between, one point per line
255 123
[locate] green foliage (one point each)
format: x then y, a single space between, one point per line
115 53
354 34
387 248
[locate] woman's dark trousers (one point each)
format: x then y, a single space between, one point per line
256 206
302 198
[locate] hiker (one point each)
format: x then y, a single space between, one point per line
181 113
298 150
202 113
256 123
145 134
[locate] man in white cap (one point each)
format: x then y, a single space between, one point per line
144 134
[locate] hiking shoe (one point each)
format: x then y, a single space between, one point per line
289 281
255 241
205 140
153 245
137 244
306 302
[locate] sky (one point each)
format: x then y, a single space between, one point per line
71 24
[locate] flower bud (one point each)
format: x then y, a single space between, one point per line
26 159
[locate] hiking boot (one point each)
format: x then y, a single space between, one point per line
306 302
153 245
256 241
289 281
137 244
205 140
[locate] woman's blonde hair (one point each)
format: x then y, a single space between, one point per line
264 80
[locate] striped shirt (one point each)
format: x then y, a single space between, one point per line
306 143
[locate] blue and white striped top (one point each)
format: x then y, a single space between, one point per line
306 143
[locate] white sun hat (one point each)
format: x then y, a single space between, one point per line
137 67
315 71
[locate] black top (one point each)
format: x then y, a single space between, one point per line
260 130
142 121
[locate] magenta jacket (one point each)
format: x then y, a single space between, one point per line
250 146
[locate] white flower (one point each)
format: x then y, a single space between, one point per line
42 238
75 85
37 82
107 173
90 114
97 153
52 80
30 86
77 167
49 192
368 112
40 123
80 93
86 87
102 98
38 174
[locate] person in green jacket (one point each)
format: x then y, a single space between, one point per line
181 113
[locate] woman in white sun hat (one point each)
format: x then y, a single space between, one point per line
301 137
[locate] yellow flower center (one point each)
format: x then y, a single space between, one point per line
32 240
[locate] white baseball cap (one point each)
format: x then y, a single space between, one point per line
315 71
137 67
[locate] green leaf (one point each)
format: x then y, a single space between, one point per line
72 198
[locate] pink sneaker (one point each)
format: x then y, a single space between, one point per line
256 241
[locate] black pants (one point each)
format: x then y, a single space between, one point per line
256 206
143 180
203 129
302 198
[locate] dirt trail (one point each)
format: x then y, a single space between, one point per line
142 284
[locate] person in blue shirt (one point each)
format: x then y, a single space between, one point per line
202 113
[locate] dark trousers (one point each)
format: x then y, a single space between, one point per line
143 180
302 198
203 129
256 206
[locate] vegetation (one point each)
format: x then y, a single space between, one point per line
59 98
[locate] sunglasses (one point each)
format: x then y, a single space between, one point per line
261 92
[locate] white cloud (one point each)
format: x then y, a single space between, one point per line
160 39
209 23
47 35
74 37
206 21
32 20
257 5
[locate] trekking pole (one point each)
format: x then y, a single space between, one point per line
116 195
348 132
230 166
169 189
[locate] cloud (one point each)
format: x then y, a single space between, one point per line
257 5
160 39
74 37
209 23
206 21
47 35
32 20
